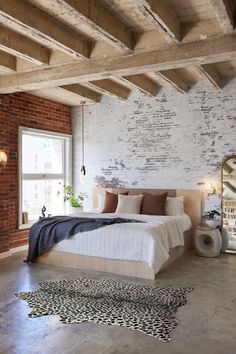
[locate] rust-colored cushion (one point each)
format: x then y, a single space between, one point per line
111 201
154 204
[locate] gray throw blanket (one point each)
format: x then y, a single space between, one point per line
48 231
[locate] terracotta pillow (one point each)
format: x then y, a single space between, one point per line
111 201
154 204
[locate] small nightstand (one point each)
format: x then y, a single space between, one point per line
208 242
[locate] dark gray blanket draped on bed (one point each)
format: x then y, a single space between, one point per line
48 231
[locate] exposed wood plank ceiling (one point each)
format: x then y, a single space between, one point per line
75 51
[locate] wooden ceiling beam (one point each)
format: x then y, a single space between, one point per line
8 61
209 72
111 88
83 92
161 15
32 22
58 94
23 47
195 31
174 79
96 17
143 84
212 50
225 14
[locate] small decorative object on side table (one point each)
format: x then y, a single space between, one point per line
208 241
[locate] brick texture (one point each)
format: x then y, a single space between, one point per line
168 141
22 109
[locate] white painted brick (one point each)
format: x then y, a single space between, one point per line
170 141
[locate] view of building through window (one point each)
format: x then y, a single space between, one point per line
38 193
43 174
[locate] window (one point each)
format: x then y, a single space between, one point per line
44 166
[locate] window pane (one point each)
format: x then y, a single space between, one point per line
41 154
37 193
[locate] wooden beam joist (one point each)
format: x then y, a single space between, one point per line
23 47
162 17
218 49
209 72
143 84
111 88
174 79
94 16
8 61
83 92
225 14
32 22
58 94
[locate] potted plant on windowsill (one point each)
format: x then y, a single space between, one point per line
76 201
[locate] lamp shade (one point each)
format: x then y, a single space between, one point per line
210 189
3 158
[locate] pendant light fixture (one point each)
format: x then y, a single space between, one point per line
82 169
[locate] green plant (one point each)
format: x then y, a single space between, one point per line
76 201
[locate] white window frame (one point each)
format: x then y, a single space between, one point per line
67 165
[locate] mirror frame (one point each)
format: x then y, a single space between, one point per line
228 157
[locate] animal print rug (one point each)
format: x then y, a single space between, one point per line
145 308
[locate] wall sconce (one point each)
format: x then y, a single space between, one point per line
3 159
208 188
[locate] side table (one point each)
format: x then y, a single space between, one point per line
208 242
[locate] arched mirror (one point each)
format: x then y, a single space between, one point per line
228 180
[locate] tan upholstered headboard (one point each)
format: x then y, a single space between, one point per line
192 199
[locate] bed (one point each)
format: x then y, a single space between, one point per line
137 249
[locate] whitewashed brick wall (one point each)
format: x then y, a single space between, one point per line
170 141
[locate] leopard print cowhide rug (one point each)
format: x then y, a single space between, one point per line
145 308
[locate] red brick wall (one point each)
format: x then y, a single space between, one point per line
22 109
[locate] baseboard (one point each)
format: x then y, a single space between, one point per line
19 249
5 254
13 251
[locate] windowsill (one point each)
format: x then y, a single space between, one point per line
26 226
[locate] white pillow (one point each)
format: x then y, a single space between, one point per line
174 206
129 204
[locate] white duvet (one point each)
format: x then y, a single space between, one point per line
148 242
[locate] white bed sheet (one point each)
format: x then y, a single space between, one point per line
148 242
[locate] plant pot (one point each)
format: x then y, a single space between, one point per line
74 210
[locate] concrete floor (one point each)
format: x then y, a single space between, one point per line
207 324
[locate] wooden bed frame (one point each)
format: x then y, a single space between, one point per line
192 205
